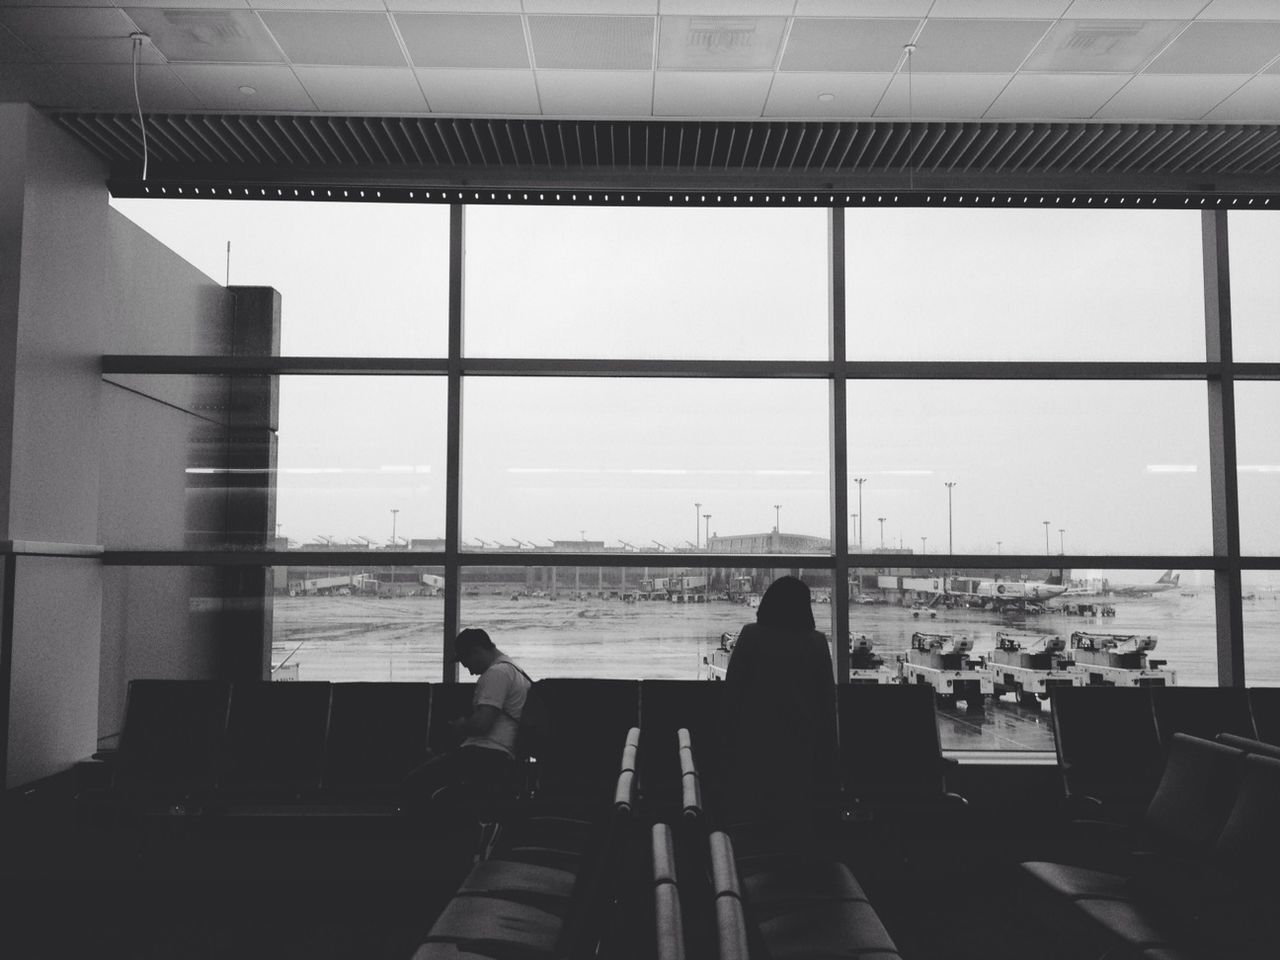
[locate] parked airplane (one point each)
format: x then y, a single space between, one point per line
1003 593
1168 580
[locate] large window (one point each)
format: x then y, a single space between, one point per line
977 427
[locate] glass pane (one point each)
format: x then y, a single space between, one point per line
927 284
1261 607
1258 466
607 282
1009 618
594 464
1255 285
622 622
353 623
355 279
351 462
1112 467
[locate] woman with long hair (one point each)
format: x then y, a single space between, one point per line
778 718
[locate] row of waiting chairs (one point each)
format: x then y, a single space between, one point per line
1193 877
192 745
1111 741
635 888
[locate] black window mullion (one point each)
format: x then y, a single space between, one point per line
453 444
1224 492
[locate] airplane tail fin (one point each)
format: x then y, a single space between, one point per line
1169 577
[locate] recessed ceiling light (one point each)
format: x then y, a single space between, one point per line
826 97
247 90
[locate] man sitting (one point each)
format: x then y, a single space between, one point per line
485 762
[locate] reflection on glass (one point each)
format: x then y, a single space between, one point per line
680 283
1255 285
926 284
293 462
355 279
357 623
1038 468
1258 466
1261 609
594 464
623 622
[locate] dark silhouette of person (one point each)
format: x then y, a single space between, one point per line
778 718
485 762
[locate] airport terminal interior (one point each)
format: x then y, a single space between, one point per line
332 327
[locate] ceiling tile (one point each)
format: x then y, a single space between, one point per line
274 87
1258 101
858 46
437 40
649 7
328 5
1134 9
1241 10
795 95
1101 46
1013 9
50 23
595 93
1054 96
110 87
863 8
937 96
1221 47
208 36
710 94
1180 98
480 92
592 43
975 46
174 4
727 8
336 39
34 83
719 43
13 50
452 6
370 90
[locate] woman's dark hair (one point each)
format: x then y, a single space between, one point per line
786 605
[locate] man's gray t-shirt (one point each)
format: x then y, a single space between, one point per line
502 686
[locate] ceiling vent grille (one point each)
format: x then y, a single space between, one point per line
457 148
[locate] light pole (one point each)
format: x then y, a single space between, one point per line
950 544
777 518
1062 542
707 540
697 508
394 511
922 545
998 543
881 519
854 532
1046 537
859 481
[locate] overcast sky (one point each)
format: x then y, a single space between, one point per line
1115 467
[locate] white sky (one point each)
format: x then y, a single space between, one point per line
1119 467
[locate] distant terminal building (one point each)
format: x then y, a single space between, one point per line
771 542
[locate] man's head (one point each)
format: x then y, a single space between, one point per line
474 650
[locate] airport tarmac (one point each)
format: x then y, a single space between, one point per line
363 638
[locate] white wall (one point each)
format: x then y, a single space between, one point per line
53 270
